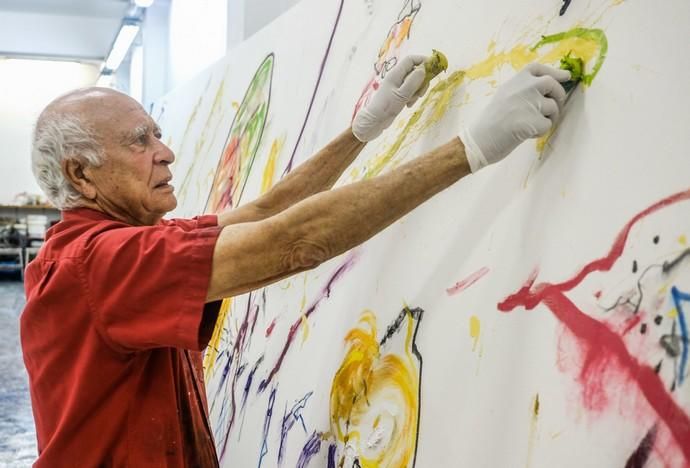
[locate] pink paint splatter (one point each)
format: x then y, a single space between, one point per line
467 282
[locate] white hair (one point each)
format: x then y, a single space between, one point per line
61 136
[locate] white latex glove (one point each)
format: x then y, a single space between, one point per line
526 106
398 89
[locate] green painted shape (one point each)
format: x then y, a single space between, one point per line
597 35
574 65
251 119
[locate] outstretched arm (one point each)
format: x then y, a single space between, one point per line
317 174
251 255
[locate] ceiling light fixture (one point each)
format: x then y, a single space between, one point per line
125 37
143 3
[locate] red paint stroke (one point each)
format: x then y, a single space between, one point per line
599 340
270 328
467 282
631 323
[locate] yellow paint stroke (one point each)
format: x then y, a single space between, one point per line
270 167
213 345
590 45
517 57
475 328
682 240
303 302
434 106
216 108
305 329
404 31
235 105
365 388
673 313
534 419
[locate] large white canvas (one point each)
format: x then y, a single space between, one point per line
553 286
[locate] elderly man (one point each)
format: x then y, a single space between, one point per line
120 302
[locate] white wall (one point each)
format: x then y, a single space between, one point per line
258 13
28 86
156 45
245 17
183 37
197 37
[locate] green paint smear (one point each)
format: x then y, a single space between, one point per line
574 65
596 35
250 120
439 98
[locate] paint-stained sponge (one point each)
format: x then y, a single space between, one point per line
575 66
435 64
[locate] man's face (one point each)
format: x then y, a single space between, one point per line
133 183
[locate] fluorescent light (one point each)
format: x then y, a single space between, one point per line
143 3
128 32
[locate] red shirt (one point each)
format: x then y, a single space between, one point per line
114 323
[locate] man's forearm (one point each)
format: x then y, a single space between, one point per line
315 175
325 225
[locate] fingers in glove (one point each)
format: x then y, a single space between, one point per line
550 109
549 87
539 69
542 125
422 91
412 83
396 76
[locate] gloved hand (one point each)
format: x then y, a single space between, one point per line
399 88
526 106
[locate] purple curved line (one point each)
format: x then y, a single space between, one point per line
288 168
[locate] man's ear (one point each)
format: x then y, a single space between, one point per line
76 175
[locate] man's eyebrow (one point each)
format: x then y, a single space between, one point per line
130 137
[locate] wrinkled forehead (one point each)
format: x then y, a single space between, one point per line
114 116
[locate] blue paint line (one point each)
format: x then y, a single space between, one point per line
289 419
679 297
310 450
267 425
331 456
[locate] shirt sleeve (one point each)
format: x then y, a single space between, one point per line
197 222
147 285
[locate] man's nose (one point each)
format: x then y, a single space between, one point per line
164 155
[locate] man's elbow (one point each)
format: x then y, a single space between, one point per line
305 255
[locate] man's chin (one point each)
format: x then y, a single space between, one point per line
172 203
166 204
